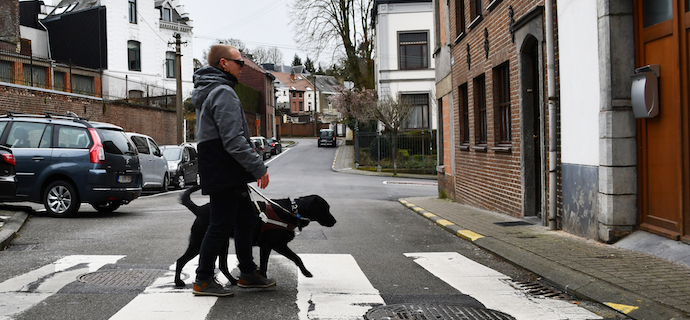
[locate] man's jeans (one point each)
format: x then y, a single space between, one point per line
228 208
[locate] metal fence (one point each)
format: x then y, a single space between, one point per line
416 151
42 72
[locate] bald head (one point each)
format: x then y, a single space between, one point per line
222 51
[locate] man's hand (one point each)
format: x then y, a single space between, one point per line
263 181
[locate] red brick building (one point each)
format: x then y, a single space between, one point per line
491 92
256 77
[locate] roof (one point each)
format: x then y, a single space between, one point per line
300 84
326 83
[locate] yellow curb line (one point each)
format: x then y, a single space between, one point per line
444 222
621 307
469 235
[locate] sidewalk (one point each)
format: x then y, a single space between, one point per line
641 285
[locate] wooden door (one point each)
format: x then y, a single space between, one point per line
661 146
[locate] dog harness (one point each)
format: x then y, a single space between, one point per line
273 221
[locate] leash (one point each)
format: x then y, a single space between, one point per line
263 216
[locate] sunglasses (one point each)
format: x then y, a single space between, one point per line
239 61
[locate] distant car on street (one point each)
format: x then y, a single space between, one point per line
259 149
276 146
8 174
154 167
63 161
265 147
327 138
183 165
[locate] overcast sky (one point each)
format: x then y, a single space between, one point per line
256 23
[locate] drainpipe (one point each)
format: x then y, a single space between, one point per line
552 100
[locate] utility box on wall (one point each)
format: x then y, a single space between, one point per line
645 91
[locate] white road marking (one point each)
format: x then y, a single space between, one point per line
162 300
22 292
491 288
338 290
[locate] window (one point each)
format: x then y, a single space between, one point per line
34 76
475 8
75 138
132 11
480 109
134 55
502 102
301 106
59 81
464 115
170 64
6 71
414 50
166 14
656 11
141 144
300 95
459 18
29 135
419 117
82 84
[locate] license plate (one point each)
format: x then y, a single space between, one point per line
124 179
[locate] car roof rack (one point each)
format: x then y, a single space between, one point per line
69 115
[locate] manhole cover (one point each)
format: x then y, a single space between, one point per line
122 277
433 311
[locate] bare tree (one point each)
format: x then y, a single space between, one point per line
274 56
362 104
263 55
341 24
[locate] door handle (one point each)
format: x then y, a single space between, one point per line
38 158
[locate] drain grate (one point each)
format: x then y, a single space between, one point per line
513 223
433 311
122 277
537 289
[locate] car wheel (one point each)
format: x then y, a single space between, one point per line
166 183
60 199
180 181
106 207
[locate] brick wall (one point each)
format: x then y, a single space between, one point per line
156 122
9 25
489 178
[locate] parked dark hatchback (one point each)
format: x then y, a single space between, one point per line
63 161
327 138
8 176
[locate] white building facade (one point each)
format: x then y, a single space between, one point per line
403 61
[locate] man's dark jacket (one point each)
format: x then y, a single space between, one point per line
226 154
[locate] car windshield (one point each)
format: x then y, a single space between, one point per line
172 153
116 142
326 134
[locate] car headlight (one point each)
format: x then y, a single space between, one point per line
172 166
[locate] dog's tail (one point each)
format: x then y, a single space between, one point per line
186 199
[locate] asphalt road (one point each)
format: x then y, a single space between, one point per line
373 230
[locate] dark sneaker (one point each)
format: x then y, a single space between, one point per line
210 288
255 280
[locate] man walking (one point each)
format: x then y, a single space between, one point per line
227 162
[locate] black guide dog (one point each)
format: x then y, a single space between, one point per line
272 233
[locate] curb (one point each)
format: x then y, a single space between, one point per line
11 227
580 284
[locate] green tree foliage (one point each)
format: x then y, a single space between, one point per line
296 61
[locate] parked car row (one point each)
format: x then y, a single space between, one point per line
62 161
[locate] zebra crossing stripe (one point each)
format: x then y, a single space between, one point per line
23 292
493 290
162 300
338 290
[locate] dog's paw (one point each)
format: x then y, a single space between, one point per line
307 274
180 283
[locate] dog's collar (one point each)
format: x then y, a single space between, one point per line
295 208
